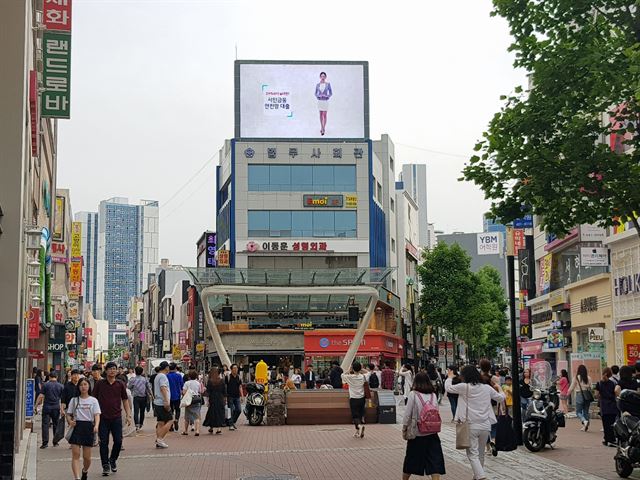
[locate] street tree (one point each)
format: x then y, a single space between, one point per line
568 148
448 288
488 318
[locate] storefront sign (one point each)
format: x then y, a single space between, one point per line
34 113
88 332
317 343
55 98
73 309
166 345
524 316
76 240
592 233
33 318
589 304
351 201
527 271
626 285
519 241
596 335
525 331
524 222
210 252
56 345
488 243
30 397
75 279
413 251
287 246
56 15
322 201
223 258
59 253
70 338
545 274
539 330
594 256
541 317
555 339
532 348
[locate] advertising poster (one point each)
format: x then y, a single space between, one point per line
58 220
593 362
545 273
633 353
301 100
555 339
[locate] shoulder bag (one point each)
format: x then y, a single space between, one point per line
587 396
367 389
463 430
67 435
410 432
187 398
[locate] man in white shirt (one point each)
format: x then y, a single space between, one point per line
162 404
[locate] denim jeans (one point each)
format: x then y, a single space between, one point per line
582 408
524 403
235 407
453 402
113 427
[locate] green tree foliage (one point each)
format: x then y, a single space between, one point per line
448 287
472 306
546 147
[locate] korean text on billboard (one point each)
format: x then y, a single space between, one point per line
56 94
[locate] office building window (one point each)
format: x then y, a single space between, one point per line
393 245
302 178
300 223
393 205
379 192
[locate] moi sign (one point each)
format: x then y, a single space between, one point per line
489 243
322 201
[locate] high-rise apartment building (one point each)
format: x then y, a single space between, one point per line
89 221
414 179
127 252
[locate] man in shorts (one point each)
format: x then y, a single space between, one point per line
162 405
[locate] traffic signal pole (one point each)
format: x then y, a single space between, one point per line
515 364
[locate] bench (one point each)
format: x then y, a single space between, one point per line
325 407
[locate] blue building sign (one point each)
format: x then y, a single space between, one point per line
524 222
210 254
29 398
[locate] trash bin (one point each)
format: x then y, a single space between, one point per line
386 406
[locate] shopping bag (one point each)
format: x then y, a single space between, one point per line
58 434
505 436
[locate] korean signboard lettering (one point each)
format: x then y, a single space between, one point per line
75 279
210 253
289 246
33 318
351 201
56 15
55 99
34 113
223 258
76 239
58 219
489 243
524 222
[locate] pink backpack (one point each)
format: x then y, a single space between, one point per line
429 421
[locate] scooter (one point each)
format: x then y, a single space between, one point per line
542 419
255 405
627 432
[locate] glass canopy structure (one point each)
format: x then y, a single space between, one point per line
260 293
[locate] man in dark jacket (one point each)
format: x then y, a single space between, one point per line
335 375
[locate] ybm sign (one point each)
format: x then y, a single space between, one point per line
489 243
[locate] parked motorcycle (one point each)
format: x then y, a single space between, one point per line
627 431
542 418
255 405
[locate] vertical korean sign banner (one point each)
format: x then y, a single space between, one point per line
76 240
55 100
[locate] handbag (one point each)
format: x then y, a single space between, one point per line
67 436
587 396
187 398
409 432
58 434
367 390
505 436
463 430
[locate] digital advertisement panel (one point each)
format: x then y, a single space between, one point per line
302 100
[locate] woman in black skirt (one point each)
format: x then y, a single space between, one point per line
424 453
83 415
216 391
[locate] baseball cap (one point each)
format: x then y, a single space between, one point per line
96 366
110 365
163 365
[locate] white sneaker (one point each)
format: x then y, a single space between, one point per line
161 444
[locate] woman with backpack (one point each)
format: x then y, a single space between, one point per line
424 452
474 408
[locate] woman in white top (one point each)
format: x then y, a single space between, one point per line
474 406
582 386
192 412
406 372
83 415
355 379
296 378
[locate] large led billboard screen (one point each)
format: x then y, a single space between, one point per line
301 100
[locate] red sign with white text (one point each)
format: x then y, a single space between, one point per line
633 353
319 343
34 323
34 112
57 15
519 242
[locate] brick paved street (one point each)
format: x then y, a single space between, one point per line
329 453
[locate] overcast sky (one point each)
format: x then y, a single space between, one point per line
152 94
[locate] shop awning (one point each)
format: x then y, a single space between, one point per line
628 325
532 348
